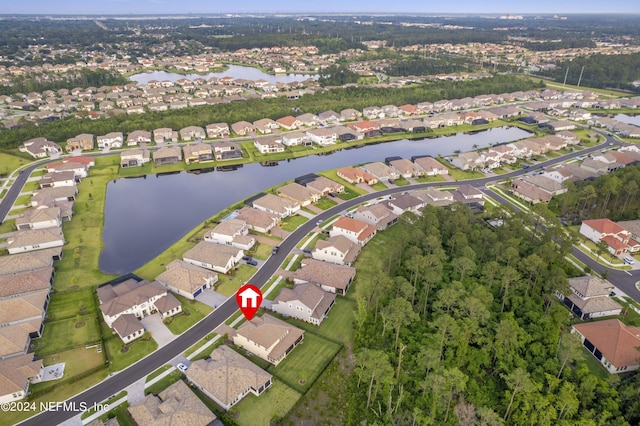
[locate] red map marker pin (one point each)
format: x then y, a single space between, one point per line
249 298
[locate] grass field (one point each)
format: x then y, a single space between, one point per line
378 186
291 223
76 361
10 162
166 381
136 350
31 186
274 403
228 285
306 362
63 334
260 251
8 225
325 203
23 200
425 179
109 401
338 325
158 372
68 305
192 312
401 182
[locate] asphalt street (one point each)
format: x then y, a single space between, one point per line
142 368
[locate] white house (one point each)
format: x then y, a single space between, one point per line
16 374
267 337
269 144
186 279
273 204
110 140
589 298
35 239
339 250
322 136
355 230
46 217
217 257
306 302
613 343
232 232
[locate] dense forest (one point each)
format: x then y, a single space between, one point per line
83 78
337 75
426 66
251 110
461 326
614 195
600 71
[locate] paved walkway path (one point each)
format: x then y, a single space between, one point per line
159 331
135 391
306 214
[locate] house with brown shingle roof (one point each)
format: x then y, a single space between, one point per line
378 215
381 171
137 137
305 302
191 133
186 279
589 298
355 230
325 186
355 175
613 343
197 153
174 406
265 125
269 338
276 205
83 141
233 232
339 250
431 166
167 155
39 218
227 377
406 168
332 278
217 130
217 257
15 376
257 220
164 134
303 195
242 128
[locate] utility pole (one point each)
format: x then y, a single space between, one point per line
565 77
580 78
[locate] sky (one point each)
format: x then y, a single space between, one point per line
84 7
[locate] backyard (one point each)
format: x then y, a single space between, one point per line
275 403
66 334
192 312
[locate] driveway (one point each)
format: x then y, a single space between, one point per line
211 298
159 331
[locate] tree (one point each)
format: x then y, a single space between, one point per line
569 350
400 312
518 381
462 265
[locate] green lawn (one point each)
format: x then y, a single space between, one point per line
274 293
594 365
192 312
8 226
379 186
401 182
10 162
63 334
109 401
325 203
458 174
166 381
260 251
274 403
306 362
120 413
77 361
228 285
425 179
135 350
38 172
348 194
158 372
31 186
338 326
69 304
23 200
291 223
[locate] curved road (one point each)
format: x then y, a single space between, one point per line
164 355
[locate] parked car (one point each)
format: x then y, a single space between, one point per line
331 194
182 367
252 262
318 222
307 250
275 250
246 257
628 260
526 166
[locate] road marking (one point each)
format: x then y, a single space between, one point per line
628 273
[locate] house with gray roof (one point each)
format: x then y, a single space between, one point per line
589 298
35 239
167 155
305 302
257 220
332 278
227 377
233 232
39 218
276 205
217 257
337 249
378 215
186 279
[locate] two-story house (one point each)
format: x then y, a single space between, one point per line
305 302
268 337
233 232
357 231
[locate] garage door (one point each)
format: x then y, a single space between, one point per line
197 293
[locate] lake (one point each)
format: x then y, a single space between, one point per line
235 71
144 216
629 119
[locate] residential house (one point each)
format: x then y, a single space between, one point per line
40 147
164 134
617 238
74 164
322 136
378 215
257 220
58 179
589 298
529 192
350 114
268 337
633 226
381 171
269 144
197 153
325 186
242 128
431 166
110 140
289 122
39 218
134 158
366 128
346 134
232 232
192 133
83 141
35 239
295 138
407 109
308 119
186 279
406 168
305 302
137 137
176 405
372 113
134 300
558 125
34 262
217 257
355 230
49 196
227 377
468 194
16 374
330 277
299 194
613 343
355 175
413 125
224 150
167 155
273 204
434 196
329 117
339 250
468 161
265 125
405 203
217 130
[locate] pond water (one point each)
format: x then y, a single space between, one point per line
630 119
144 216
235 71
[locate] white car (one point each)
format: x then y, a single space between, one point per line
628 260
182 367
